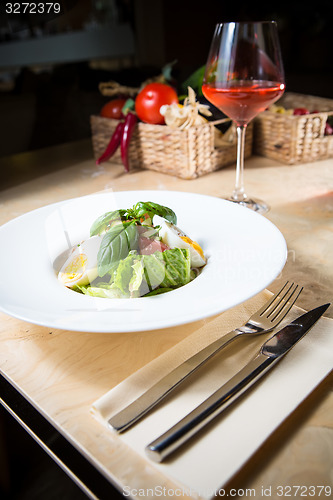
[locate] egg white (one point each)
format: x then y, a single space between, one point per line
81 266
174 237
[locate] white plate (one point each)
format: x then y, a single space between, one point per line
245 251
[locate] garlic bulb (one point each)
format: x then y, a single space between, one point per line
186 115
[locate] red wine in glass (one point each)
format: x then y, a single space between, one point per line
244 75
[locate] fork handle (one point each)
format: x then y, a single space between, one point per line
176 436
133 412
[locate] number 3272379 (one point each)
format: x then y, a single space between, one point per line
32 8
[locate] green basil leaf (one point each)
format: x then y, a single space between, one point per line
116 245
102 222
151 208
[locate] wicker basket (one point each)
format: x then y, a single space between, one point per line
186 153
295 139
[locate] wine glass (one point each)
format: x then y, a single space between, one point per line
243 76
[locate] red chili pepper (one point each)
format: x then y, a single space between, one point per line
130 122
113 144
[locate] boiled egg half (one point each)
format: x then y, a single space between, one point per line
175 238
80 267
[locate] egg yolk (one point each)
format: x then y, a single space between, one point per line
75 268
194 245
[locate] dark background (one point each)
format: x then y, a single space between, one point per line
44 103
49 103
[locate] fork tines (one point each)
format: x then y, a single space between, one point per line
278 304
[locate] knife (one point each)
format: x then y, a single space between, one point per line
270 353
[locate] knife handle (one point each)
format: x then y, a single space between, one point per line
134 411
177 435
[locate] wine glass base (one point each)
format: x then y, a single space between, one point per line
253 204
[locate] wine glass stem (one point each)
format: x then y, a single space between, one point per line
239 193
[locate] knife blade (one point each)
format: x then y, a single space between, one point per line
272 351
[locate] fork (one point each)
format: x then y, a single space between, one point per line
262 321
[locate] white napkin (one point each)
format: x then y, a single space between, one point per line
214 455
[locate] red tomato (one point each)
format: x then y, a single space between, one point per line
149 101
301 111
112 109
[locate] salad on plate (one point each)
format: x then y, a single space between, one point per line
135 252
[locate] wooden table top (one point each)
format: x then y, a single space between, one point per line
63 372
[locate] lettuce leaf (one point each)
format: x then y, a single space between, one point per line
140 275
123 274
177 267
107 291
129 275
169 269
137 279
